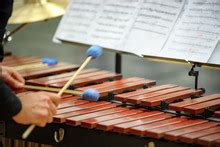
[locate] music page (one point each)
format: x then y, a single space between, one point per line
135 26
196 35
78 20
152 25
113 22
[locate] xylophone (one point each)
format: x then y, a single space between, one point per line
133 112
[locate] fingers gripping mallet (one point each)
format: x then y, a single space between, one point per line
93 53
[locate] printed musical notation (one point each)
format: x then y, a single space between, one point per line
161 28
113 22
76 24
196 35
152 25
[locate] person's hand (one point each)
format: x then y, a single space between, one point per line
11 77
37 108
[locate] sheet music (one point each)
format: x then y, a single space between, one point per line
99 22
146 27
120 24
113 23
196 35
152 25
77 23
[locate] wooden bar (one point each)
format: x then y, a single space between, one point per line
124 127
76 120
191 137
113 83
180 105
61 82
108 125
96 78
92 122
19 60
151 102
159 132
124 87
45 81
72 103
55 69
208 140
81 107
124 96
200 108
173 135
60 118
142 130
137 99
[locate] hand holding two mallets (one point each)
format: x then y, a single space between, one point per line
92 95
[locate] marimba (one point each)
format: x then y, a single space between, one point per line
133 112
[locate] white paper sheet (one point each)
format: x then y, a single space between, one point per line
215 57
78 20
152 25
146 27
195 37
136 26
113 22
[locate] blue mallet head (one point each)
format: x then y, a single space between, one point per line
94 51
90 95
49 61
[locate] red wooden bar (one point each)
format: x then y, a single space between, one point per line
159 132
36 71
96 78
116 89
180 105
8 58
54 69
191 137
60 118
124 127
170 97
119 86
200 108
113 83
81 107
142 129
52 79
137 99
19 60
208 140
108 125
217 114
86 77
92 122
71 103
76 120
173 135
11 58
124 96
